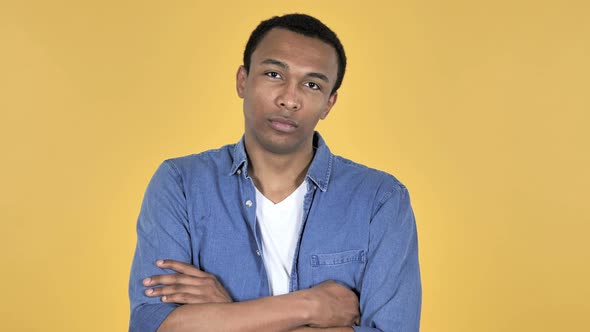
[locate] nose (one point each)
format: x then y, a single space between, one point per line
289 97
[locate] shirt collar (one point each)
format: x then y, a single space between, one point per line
321 166
319 171
240 158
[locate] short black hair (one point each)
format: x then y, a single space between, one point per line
302 24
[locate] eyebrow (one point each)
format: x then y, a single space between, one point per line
286 66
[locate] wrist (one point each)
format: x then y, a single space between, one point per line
305 306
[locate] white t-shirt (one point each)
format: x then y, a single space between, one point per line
280 225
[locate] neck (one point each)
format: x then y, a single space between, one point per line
276 176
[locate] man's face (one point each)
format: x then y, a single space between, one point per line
287 91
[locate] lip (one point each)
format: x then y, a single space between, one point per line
282 124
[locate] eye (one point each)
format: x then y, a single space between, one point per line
272 74
313 85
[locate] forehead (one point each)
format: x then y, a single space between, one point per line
297 51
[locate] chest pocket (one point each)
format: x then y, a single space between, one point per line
344 267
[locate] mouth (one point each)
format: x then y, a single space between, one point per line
282 124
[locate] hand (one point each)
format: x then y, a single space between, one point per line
335 305
189 285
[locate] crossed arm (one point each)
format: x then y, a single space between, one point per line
206 305
390 299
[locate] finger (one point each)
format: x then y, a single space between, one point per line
174 278
184 298
181 267
357 321
206 294
173 289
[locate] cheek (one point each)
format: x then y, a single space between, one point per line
311 121
253 110
263 94
253 97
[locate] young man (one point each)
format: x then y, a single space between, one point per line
275 233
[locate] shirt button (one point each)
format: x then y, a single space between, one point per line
248 203
258 252
239 171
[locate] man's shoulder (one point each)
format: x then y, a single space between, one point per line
205 162
357 174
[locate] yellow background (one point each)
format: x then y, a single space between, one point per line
479 107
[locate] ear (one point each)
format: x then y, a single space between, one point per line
331 101
241 77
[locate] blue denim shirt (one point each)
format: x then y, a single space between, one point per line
358 230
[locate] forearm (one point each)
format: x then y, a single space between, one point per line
276 313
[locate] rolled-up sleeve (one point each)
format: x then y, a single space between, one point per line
162 233
391 293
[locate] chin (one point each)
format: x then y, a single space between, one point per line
279 144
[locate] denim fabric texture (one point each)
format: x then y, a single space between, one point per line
359 230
